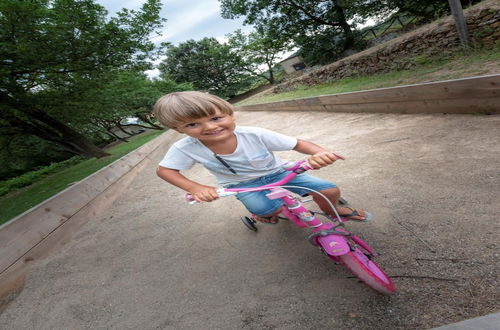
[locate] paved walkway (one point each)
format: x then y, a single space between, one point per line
153 262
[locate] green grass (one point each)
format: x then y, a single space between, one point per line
425 69
29 178
23 199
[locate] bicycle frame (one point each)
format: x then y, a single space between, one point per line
336 242
326 235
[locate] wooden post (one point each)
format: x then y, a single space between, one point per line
460 23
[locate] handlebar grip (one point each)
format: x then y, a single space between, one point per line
306 166
221 192
291 166
190 199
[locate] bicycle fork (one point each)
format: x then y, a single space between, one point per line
325 235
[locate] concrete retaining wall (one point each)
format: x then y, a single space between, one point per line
477 95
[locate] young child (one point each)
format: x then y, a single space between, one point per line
237 156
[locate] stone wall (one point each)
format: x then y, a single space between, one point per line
483 21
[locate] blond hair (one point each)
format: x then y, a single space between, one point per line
173 109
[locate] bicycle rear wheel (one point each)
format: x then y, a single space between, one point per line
368 271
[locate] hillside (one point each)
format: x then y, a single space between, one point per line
429 53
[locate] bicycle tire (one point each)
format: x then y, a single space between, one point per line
368 271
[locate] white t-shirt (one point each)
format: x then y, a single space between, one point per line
252 158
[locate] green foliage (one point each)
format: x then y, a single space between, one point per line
427 59
327 30
259 49
207 65
101 104
321 29
425 10
92 108
24 198
30 177
23 153
483 32
53 48
322 47
421 59
303 12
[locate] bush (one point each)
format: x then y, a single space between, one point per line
20 154
29 178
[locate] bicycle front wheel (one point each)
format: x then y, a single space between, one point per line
368 271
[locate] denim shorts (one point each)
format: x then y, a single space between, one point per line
256 201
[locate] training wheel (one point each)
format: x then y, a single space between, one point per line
249 222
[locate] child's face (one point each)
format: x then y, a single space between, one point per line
215 128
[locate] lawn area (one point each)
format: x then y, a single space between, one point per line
477 63
25 198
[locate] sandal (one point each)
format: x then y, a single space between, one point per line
354 213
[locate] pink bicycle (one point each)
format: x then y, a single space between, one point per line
332 238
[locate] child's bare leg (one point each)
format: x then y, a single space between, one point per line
269 218
333 194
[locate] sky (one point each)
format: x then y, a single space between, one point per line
186 19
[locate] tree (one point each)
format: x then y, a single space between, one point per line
303 19
48 46
426 10
207 65
259 49
117 96
21 153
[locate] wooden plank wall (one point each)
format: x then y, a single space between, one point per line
477 95
33 234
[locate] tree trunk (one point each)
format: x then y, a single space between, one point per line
271 77
120 127
460 22
40 124
271 74
349 36
145 119
116 136
69 137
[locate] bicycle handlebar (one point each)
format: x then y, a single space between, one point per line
295 168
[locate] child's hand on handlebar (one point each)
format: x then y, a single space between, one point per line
322 159
203 193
